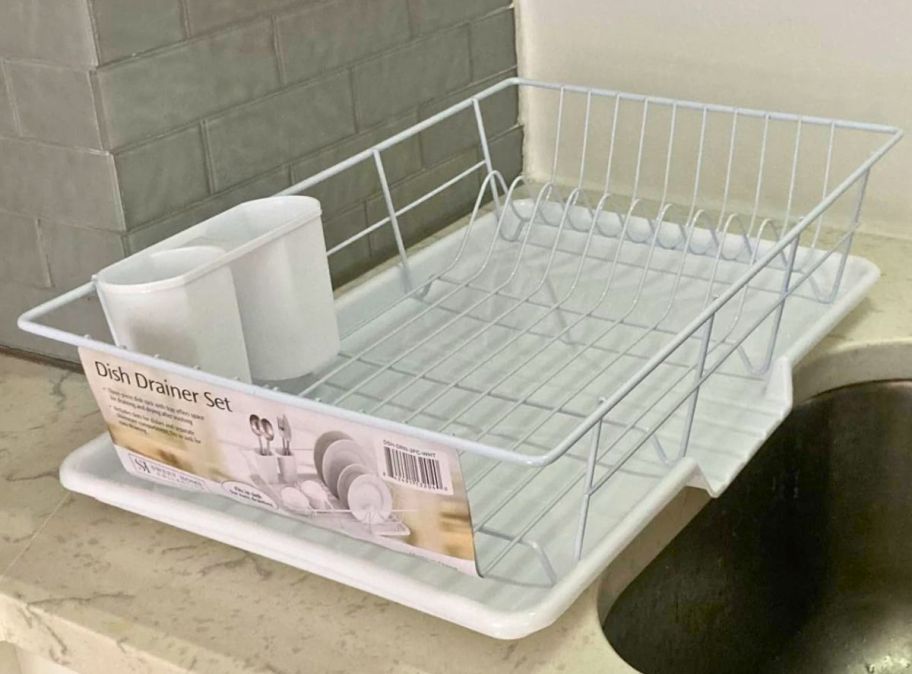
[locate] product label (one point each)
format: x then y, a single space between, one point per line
388 488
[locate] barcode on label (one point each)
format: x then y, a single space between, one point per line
419 469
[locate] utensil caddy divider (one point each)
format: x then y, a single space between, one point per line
591 340
267 256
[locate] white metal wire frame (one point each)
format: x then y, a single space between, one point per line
665 239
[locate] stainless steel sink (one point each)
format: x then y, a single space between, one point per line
803 565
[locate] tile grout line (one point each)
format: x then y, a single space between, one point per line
210 177
322 76
412 23
330 148
356 118
93 29
14 107
43 246
279 54
185 19
207 156
98 109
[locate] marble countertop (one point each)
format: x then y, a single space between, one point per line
101 590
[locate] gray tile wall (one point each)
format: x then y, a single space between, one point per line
125 121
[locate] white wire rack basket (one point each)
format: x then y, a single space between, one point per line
591 340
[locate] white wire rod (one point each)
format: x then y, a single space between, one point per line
488 429
540 514
761 165
557 135
826 181
728 168
652 223
577 392
641 144
698 170
672 125
586 382
612 143
528 330
462 246
536 547
853 227
794 175
473 101
777 320
394 222
859 200
355 237
505 437
594 347
564 410
791 194
728 222
611 140
519 302
718 303
819 227
530 403
420 291
746 242
485 150
501 437
405 209
706 346
585 143
613 469
595 305
397 138
696 386
87 288
439 381
430 336
639 161
591 460
626 323
755 251
709 107
619 464
471 337
705 341
633 343
599 317
473 480
28 321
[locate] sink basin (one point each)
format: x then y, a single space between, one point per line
803 565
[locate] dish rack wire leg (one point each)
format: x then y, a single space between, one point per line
486 152
698 376
394 221
587 491
853 226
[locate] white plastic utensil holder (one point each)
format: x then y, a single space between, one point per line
596 334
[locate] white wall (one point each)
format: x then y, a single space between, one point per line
833 58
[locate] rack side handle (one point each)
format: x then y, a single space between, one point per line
28 321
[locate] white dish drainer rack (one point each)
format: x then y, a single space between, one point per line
591 341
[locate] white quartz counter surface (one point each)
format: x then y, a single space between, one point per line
101 590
